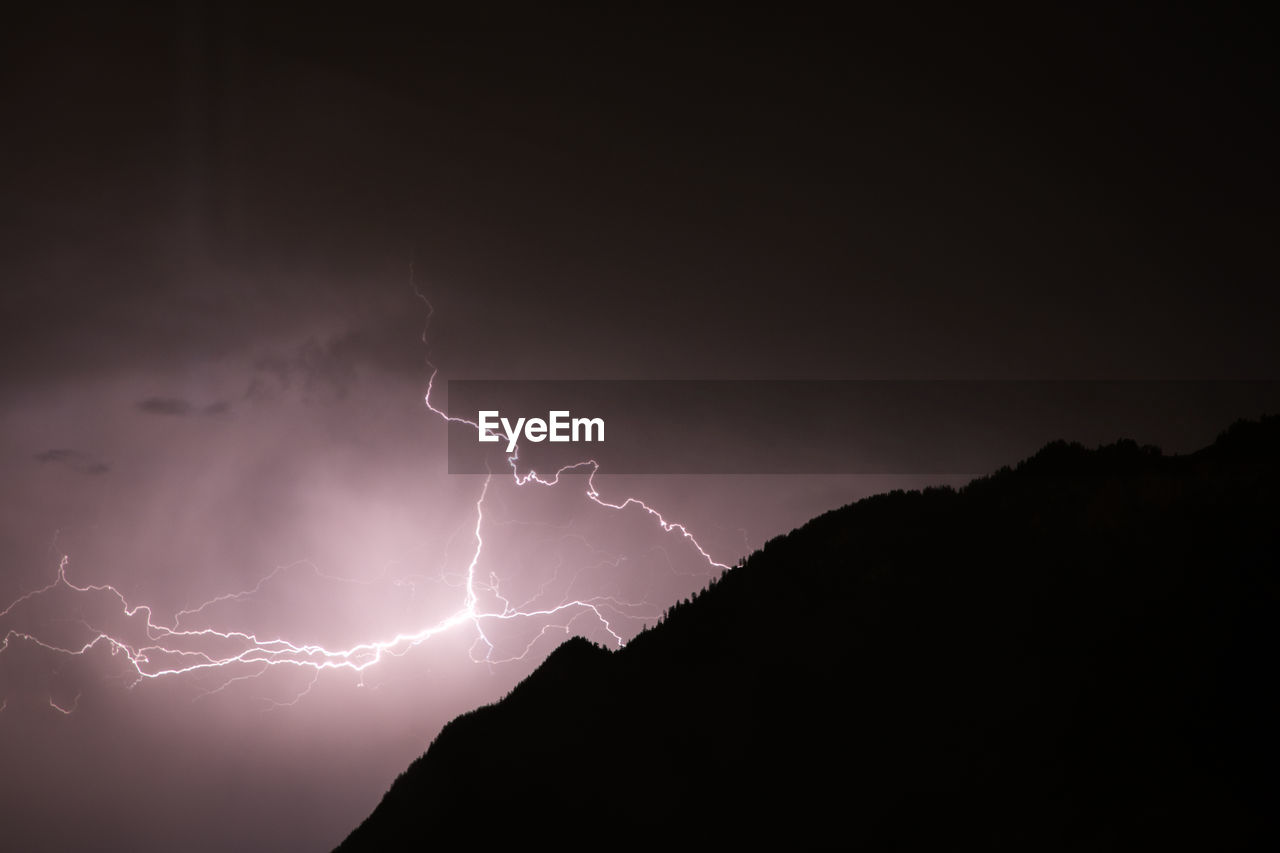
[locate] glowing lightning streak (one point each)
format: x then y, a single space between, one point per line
66 712
591 492
168 650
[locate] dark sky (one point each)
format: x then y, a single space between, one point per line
212 355
933 195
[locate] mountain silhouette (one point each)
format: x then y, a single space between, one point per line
1075 653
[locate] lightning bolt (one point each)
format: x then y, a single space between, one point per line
156 649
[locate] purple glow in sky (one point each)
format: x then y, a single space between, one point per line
288 569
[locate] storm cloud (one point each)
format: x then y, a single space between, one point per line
75 460
165 406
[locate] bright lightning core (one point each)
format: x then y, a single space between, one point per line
504 620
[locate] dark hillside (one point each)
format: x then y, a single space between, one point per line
1072 654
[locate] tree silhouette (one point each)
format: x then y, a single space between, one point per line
1071 653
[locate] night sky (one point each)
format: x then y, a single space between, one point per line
219 226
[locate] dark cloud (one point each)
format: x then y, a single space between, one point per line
178 407
73 459
387 345
57 455
165 406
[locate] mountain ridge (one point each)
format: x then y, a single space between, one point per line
1064 653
